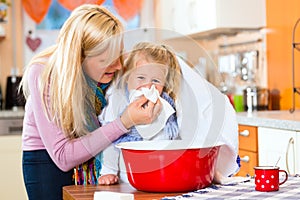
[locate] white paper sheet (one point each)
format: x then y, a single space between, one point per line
101 195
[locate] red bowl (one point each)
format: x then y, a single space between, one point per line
168 166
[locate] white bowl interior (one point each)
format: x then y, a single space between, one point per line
162 145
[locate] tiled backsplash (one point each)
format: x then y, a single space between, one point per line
239 46
205 52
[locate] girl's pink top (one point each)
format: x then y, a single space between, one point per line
39 133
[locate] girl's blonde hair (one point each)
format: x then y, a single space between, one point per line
155 53
89 31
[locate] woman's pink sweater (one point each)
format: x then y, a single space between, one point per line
39 133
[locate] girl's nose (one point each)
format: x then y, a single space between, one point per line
147 85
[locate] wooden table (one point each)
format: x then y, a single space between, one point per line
79 192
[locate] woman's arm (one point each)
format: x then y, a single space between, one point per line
67 153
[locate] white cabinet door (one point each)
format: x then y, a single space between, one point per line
193 16
11 183
297 145
240 13
276 143
186 17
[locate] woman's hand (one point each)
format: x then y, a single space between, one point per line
141 111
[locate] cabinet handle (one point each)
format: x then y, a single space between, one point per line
245 133
245 159
291 142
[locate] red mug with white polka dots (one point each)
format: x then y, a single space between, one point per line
267 178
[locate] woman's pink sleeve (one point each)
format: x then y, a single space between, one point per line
67 153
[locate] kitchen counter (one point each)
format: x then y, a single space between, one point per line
245 189
280 119
80 192
11 113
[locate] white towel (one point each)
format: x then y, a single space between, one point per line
208 118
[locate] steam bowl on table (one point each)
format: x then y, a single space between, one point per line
169 165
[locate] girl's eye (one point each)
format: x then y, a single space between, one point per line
140 77
155 81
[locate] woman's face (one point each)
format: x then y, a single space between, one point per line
96 68
147 74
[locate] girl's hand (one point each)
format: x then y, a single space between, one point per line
141 111
108 179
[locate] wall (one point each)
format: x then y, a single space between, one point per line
281 17
16 18
14 35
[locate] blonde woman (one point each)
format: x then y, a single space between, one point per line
152 66
65 86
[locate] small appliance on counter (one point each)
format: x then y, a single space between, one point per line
256 98
263 98
250 98
13 99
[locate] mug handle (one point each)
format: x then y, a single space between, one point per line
286 177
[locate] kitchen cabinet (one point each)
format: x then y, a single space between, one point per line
11 184
193 16
11 126
248 149
278 143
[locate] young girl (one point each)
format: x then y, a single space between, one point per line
151 70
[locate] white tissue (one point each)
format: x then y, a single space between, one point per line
151 94
150 130
100 195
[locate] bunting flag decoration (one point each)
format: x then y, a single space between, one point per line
127 9
36 9
72 4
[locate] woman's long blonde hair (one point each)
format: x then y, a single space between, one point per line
155 53
87 32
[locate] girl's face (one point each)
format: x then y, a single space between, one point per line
96 68
147 74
